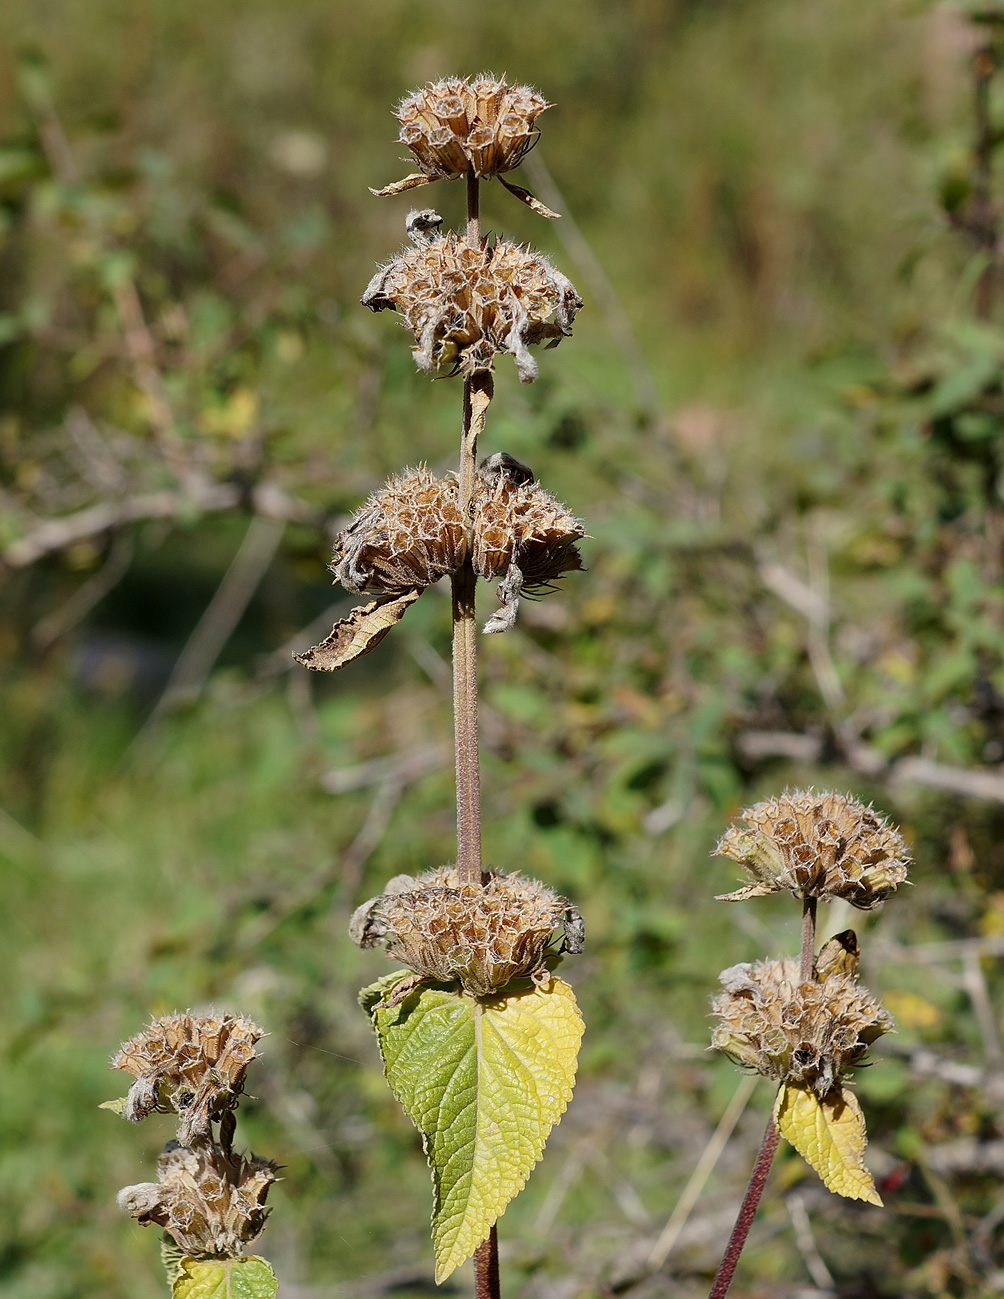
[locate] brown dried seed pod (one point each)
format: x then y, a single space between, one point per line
209 1203
194 1065
455 126
465 305
816 845
807 1033
482 937
520 533
407 536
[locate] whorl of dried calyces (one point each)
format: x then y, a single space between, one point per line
816 845
521 534
193 1065
455 126
465 305
807 1033
411 533
481 938
210 1203
407 536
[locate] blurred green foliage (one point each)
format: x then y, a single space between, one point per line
800 535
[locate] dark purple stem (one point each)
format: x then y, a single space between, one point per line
486 1267
747 1211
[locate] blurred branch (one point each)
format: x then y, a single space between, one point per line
62 619
967 782
222 614
200 496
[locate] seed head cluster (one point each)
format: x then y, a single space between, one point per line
466 304
480 937
521 534
807 1033
209 1199
194 1065
816 845
209 1203
455 124
407 536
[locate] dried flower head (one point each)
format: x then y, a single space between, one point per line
407 536
482 937
466 304
521 534
457 126
807 1033
209 1202
816 845
194 1065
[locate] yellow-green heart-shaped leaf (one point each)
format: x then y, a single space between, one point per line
484 1080
830 1136
225 1278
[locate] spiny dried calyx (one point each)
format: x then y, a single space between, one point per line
411 533
521 534
211 1203
455 127
803 1033
466 304
194 1065
818 846
407 536
482 937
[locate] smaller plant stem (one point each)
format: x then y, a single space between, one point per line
747 1211
486 1267
808 952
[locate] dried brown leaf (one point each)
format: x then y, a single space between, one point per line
357 634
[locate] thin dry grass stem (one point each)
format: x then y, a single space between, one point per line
703 1169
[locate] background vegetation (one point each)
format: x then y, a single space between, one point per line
781 418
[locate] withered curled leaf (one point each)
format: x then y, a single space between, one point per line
357 634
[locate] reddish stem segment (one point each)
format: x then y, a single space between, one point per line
486 1267
747 1211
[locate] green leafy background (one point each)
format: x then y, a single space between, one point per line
784 432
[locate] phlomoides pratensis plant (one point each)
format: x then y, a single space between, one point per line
209 1200
479 1039
804 1022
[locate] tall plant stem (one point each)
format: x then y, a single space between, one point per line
477 395
771 1136
747 1211
808 939
486 1267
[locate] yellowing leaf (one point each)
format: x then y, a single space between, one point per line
830 1136
357 634
484 1080
225 1278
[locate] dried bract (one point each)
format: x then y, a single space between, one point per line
407 536
816 845
456 126
210 1203
465 305
521 534
482 937
194 1065
807 1033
